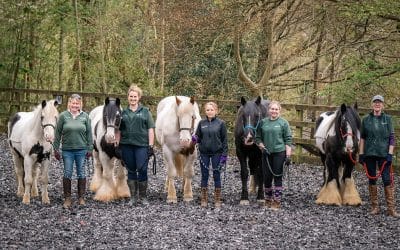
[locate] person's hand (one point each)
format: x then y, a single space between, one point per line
89 154
57 155
195 139
223 159
361 159
288 161
389 159
150 151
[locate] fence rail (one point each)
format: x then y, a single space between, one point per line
300 116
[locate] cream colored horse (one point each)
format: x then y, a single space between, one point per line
177 120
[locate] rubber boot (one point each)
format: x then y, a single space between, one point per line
373 196
81 191
143 193
217 198
389 194
67 193
133 188
204 197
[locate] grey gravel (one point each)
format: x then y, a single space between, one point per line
301 224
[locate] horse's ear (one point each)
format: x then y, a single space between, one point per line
178 101
55 103
258 101
118 101
343 108
107 101
192 99
242 101
44 104
355 106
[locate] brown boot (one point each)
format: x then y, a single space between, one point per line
217 197
373 196
389 194
275 204
268 202
67 193
204 197
81 191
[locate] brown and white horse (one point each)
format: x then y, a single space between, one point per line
30 135
177 119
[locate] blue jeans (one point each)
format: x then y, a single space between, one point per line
376 162
77 156
136 161
204 163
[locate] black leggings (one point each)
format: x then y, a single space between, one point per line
274 164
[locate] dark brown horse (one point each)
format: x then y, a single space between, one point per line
249 116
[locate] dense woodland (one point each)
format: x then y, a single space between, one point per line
295 51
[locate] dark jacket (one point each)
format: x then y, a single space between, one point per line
212 137
376 131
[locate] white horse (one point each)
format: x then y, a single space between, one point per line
105 122
30 135
177 119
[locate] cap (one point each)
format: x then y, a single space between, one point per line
378 98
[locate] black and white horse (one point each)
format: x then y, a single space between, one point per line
30 135
106 184
248 118
337 136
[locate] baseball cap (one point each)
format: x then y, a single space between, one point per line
378 98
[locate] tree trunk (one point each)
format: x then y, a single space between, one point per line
77 42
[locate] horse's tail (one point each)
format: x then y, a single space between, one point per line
179 164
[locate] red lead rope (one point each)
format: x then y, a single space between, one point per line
380 171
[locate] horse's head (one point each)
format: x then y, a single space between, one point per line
111 118
249 117
48 119
348 127
187 111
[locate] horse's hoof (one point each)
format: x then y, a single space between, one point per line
261 201
244 202
188 199
26 200
46 201
172 201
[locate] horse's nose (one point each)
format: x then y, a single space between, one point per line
184 143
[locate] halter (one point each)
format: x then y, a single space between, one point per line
48 125
249 126
191 129
342 134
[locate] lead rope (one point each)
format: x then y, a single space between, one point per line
380 171
285 168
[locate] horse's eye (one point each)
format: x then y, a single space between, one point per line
41 118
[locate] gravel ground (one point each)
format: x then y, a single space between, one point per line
301 224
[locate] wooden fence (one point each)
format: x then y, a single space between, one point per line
300 116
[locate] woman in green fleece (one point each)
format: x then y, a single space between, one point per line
74 133
274 138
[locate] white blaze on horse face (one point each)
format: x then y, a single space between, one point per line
110 134
49 121
349 144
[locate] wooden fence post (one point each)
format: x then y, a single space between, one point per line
299 134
